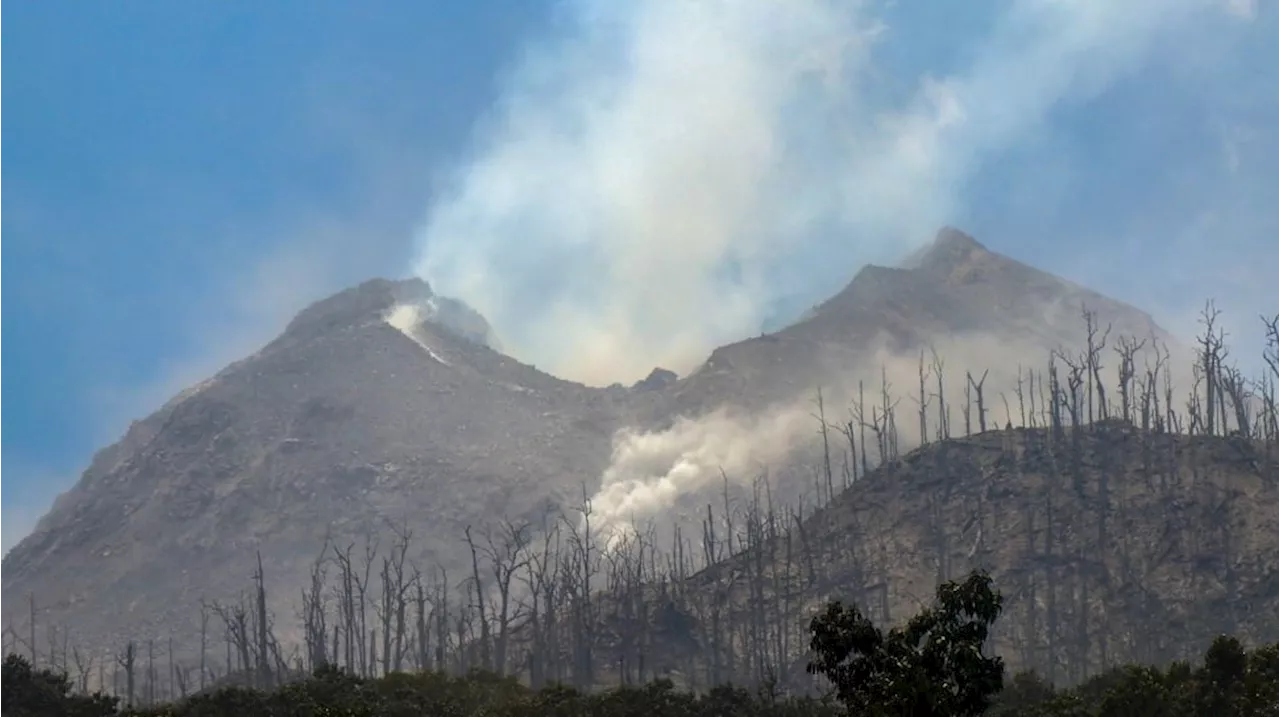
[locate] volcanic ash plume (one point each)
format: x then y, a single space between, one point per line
651 471
641 171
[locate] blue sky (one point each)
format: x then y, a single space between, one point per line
183 177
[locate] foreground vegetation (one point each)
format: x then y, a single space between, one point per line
933 666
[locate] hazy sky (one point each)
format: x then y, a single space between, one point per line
183 177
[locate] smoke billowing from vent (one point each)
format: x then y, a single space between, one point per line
651 471
657 172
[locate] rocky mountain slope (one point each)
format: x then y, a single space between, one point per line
1110 544
375 409
342 425
976 308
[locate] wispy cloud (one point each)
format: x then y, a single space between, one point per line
658 172
1244 9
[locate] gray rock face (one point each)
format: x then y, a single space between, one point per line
658 379
345 425
461 319
977 308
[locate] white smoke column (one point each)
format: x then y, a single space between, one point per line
407 319
636 178
651 164
649 471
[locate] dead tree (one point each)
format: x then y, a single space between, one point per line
1234 389
922 401
978 399
823 430
31 605
1211 347
422 624
1022 406
315 628
584 561
507 556
1094 345
128 661
84 667
204 641
235 619
888 408
1127 348
851 438
441 611
856 412
486 647
362 585
944 429
1055 397
264 673
1266 386
540 579
346 607
393 601
169 653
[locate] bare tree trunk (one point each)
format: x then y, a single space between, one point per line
944 430
923 400
31 604
204 641
1210 357
128 661
981 404
260 595
486 648
507 556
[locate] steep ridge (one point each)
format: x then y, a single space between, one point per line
342 425
954 295
347 425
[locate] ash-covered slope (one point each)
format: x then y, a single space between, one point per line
1108 543
344 423
979 309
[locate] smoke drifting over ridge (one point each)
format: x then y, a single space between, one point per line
669 476
656 173
640 168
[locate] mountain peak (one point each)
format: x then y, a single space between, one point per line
952 239
376 299
950 248
357 304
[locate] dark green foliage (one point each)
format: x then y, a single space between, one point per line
1231 682
330 693
933 666
1023 691
40 693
